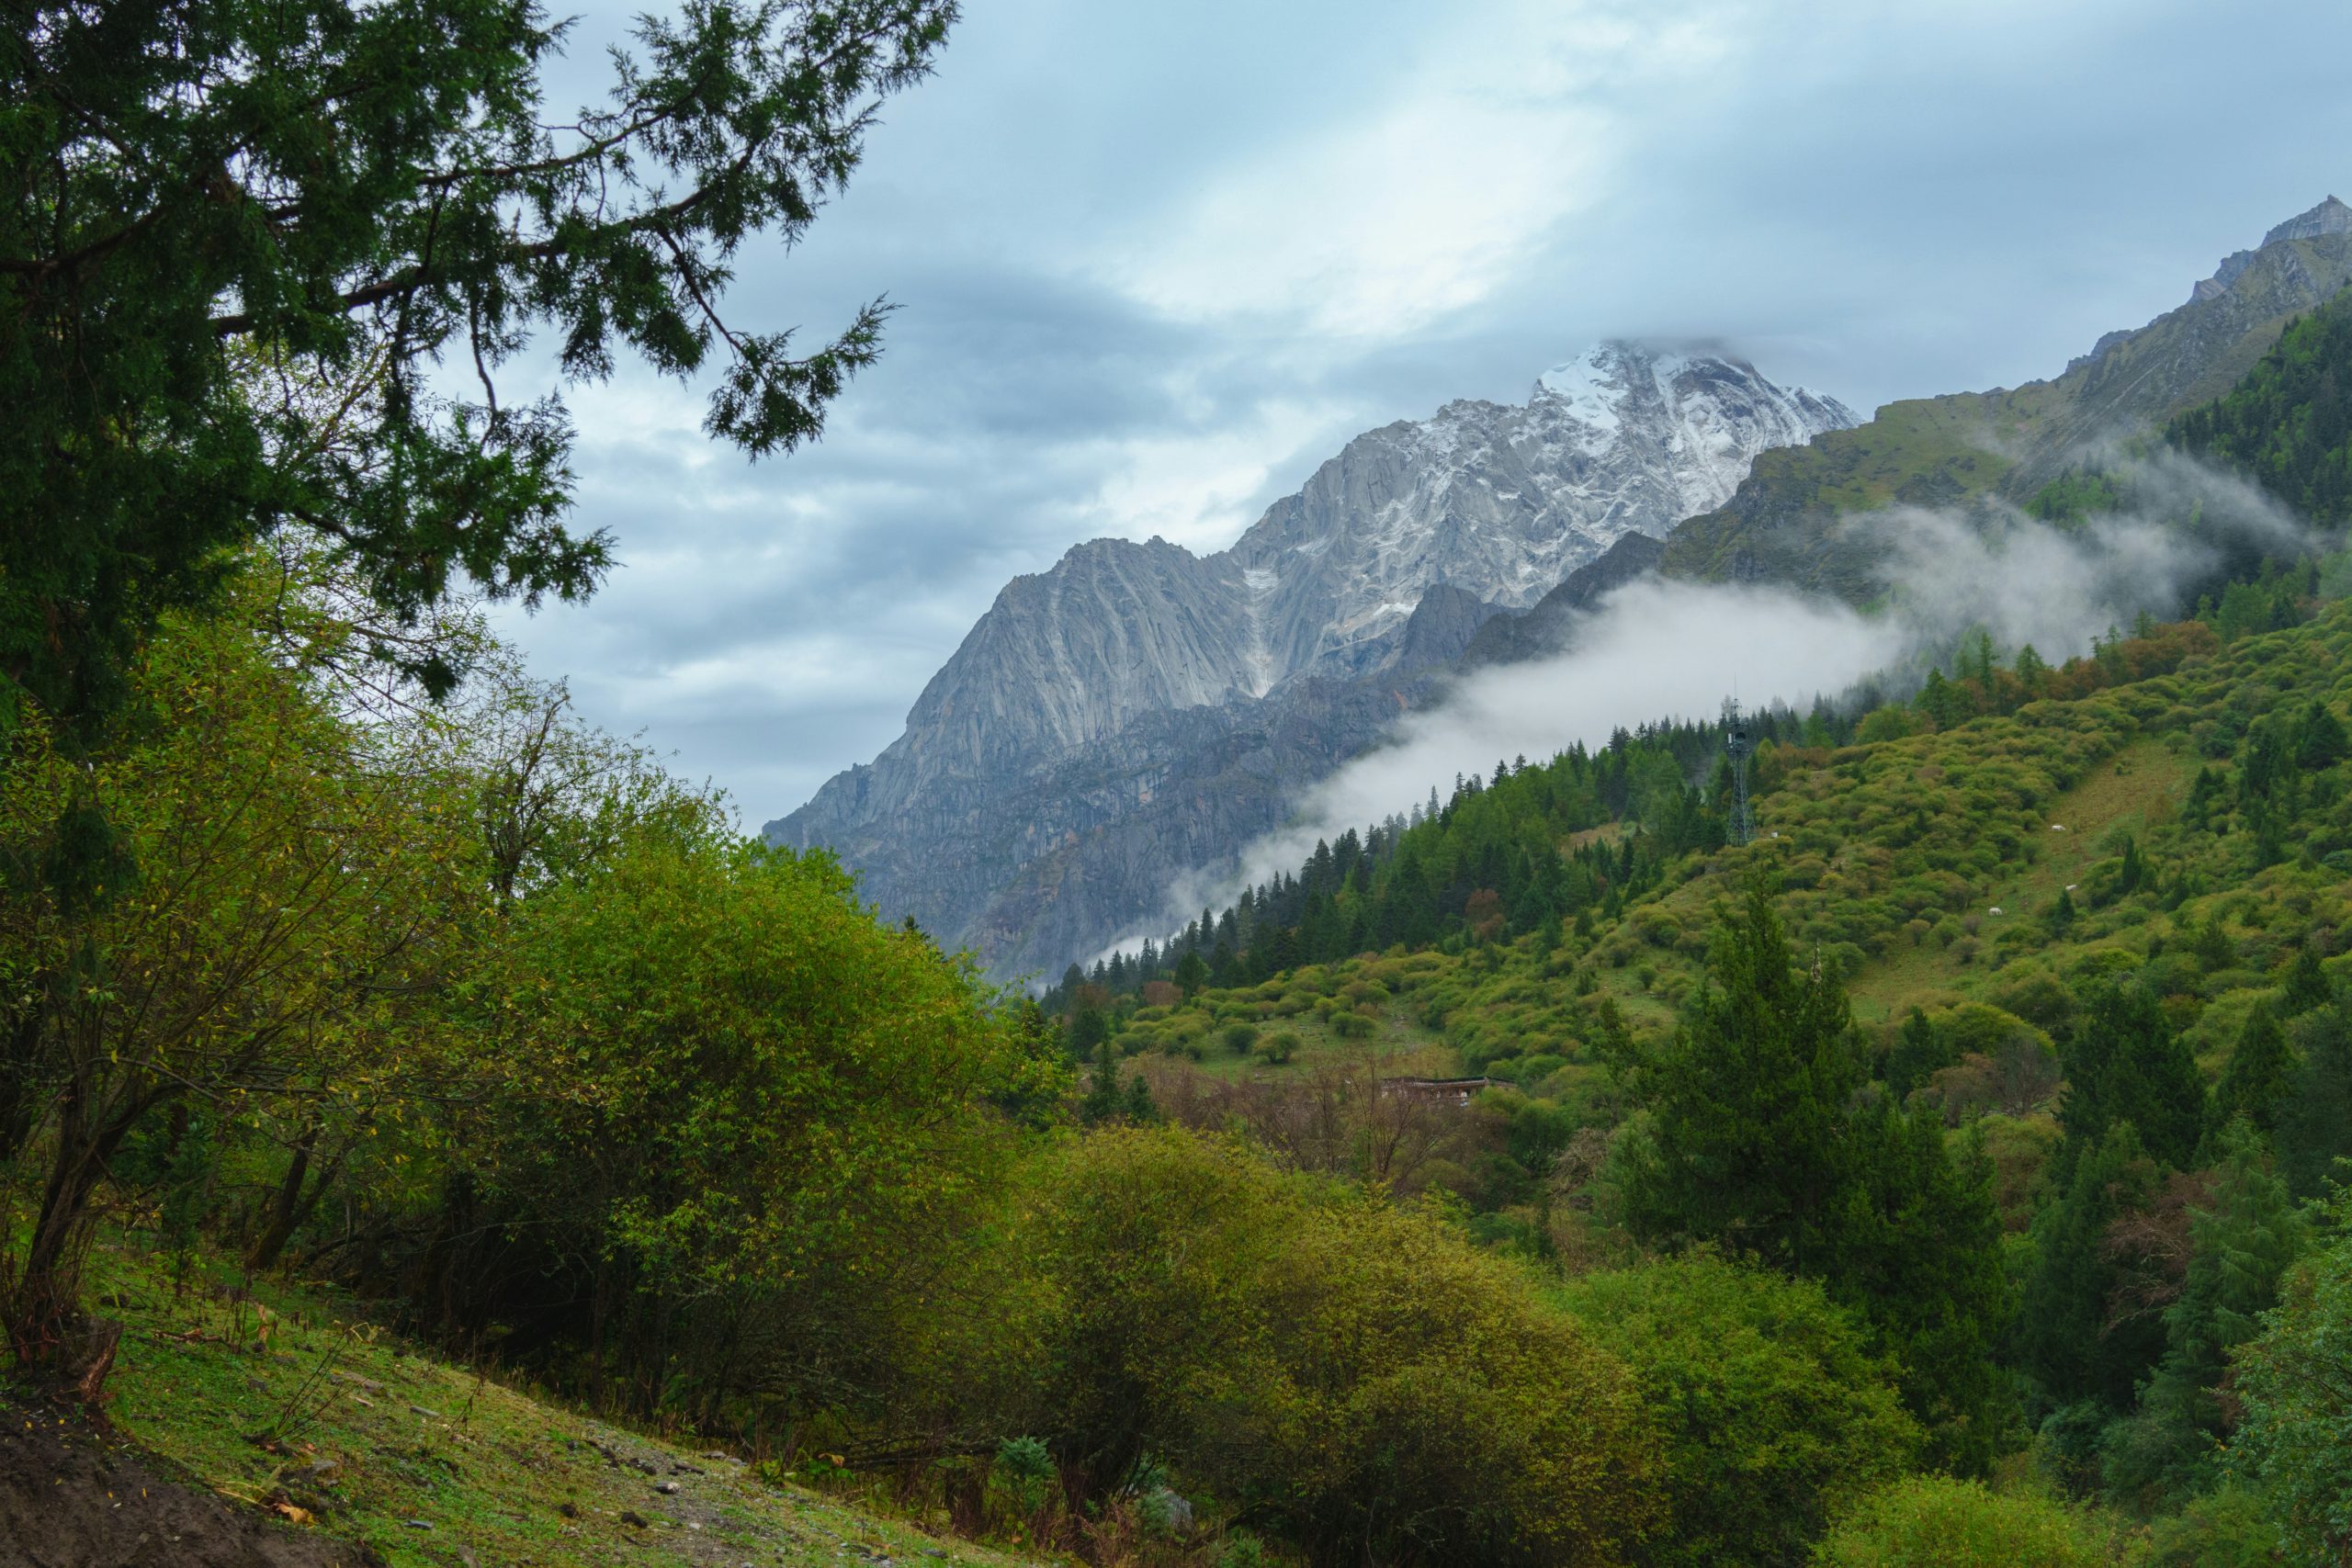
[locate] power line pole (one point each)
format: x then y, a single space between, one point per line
1739 745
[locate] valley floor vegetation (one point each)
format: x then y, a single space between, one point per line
1948 1175
483 1022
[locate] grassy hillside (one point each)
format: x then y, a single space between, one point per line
1928 870
1892 858
293 1401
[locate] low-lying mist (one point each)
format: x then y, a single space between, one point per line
1659 650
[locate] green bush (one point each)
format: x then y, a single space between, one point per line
1276 1048
1241 1550
1936 1522
1357 1376
1775 1416
1238 1037
1023 1474
2295 1383
1352 1026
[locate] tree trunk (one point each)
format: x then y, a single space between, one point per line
291 1206
20 1089
46 1326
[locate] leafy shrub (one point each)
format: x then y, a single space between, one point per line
1775 1416
1238 1037
1936 1522
1355 1374
1023 1474
1276 1048
1352 1026
1241 1550
2295 1383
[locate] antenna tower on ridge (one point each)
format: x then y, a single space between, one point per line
1739 745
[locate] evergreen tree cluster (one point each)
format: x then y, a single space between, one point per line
1505 855
2287 425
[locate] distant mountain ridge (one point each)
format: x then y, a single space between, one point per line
1138 713
1792 521
1087 690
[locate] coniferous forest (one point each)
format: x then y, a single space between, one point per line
415 1102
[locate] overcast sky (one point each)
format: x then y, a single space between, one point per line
1156 261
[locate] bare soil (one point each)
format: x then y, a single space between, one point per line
74 1494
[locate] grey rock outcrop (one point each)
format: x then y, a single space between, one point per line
1545 626
1137 711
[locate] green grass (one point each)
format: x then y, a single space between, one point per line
2141 786
1889 858
292 1395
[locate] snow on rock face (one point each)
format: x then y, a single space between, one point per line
1494 503
1500 500
1506 501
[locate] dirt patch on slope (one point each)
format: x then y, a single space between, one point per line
74 1495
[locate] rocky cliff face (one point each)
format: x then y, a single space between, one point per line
1137 711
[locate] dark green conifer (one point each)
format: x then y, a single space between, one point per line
1104 1101
2243 1239
2126 1064
2320 740
1136 1105
1748 1102
2259 1075
2307 985
1919 1050
2314 1122
2062 914
2068 1336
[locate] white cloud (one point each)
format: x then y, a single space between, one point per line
1428 199
1655 649
1156 261
1196 488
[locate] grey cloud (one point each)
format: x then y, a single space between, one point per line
1876 201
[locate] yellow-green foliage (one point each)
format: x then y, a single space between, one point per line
1936 1522
1356 1372
370 1431
1775 1416
720 1077
1889 860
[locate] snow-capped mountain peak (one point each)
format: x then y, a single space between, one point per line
1149 654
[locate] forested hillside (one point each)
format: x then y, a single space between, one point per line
2045 963
432 1132
1960 1149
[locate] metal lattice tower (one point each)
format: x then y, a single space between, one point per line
1739 745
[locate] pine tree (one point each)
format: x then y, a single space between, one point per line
2260 1074
1103 1102
1919 1257
1192 973
2062 914
2127 1064
2320 740
2242 1242
2133 871
1088 1031
2314 1121
2307 985
2212 946
1757 1142
2066 1339
200 189
1747 1104
1919 1050
1137 1105
2031 671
